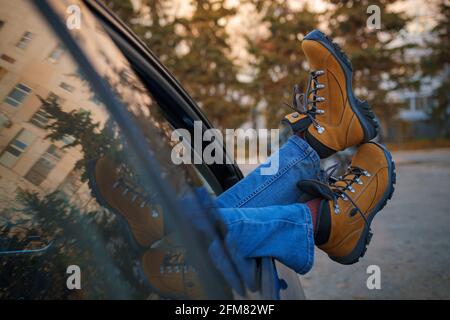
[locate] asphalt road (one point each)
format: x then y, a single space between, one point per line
411 242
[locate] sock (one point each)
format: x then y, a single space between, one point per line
314 206
301 134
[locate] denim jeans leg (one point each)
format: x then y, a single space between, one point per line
297 161
262 215
282 232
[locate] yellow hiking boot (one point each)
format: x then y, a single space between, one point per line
170 275
351 201
335 119
111 190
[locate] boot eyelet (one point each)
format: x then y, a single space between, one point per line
336 209
320 129
318 72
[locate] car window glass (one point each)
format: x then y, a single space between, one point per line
79 217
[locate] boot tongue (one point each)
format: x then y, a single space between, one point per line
297 122
323 229
316 189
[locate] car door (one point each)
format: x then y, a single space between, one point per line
182 113
78 125
70 98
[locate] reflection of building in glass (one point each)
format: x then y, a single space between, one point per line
34 64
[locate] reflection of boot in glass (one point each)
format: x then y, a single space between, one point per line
170 275
113 192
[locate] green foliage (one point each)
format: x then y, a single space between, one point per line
206 70
209 72
279 59
377 56
79 125
89 239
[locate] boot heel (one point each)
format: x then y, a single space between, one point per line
369 122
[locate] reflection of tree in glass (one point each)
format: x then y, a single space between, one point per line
79 125
90 240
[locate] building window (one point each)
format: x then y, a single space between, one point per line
68 139
15 149
40 118
67 86
18 95
423 103
4 122
25 40
44 165
56 53
72 183
7 58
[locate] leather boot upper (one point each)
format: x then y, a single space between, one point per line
328 114
351 201
168 273
144 219
342 127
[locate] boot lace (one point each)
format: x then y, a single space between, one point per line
174 262
306 103
342 185
136 195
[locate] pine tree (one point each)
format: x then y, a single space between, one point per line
279 59
78 124
196 50
377 56
93 240
207 69
153 25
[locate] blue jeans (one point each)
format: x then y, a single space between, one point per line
262 213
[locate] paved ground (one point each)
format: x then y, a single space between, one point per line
411 243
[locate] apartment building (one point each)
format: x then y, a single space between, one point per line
32 61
